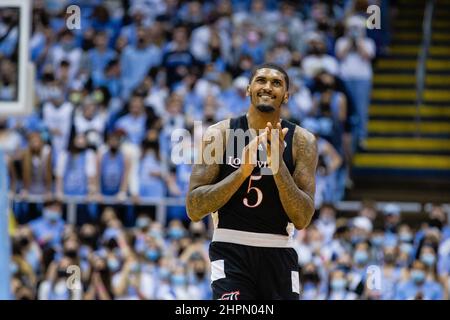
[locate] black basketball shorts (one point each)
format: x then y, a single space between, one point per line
240 272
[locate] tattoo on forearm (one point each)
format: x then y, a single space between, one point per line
209 197
297 191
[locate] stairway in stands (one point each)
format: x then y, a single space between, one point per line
409 160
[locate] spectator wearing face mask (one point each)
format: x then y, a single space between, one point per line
391 274
338 287
49 228
358 275
180 285
198 276
418 287
326 223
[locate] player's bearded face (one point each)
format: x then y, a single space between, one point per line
267 90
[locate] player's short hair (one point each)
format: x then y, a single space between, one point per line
269 65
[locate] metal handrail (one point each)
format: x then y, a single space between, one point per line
162 204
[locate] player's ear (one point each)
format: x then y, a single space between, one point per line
286 97
247 92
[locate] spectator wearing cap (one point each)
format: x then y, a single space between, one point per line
356 51
361 229
392 218
418 287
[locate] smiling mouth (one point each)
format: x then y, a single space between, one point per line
265 96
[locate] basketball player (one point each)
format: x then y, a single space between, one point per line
254 214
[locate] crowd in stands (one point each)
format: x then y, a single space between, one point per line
110 94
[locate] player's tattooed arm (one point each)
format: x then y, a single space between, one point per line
297 191
206 194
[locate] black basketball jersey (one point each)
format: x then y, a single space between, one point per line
256 206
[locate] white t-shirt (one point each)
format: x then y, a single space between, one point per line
61 119
313 63
353 65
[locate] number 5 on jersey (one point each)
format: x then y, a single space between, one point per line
259 194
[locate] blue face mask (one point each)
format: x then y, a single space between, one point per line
51 215
361 257
338 284
178 279
405 237
428 258
418 276
142 223
377 241
176 233
357 239
113 265
155 234
406 248
152 254
164 273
